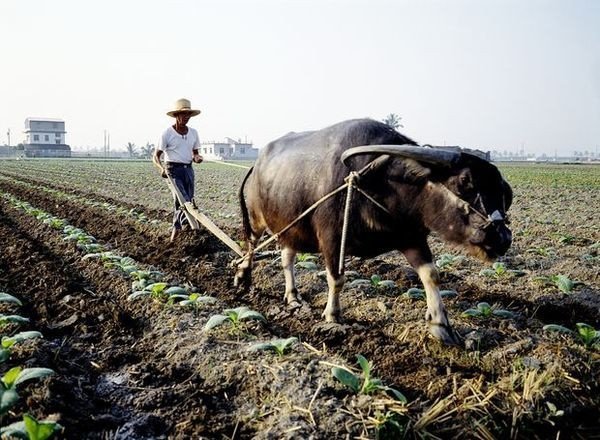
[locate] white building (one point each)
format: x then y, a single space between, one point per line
228 150
45 137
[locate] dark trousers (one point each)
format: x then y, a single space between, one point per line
183 176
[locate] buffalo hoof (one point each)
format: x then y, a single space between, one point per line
242 279
291 297
331 317
446 334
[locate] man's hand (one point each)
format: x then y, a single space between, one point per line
197 158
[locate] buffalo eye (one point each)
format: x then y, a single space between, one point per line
465 182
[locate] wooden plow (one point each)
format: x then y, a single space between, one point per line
197 218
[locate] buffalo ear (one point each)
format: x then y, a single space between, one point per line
408 171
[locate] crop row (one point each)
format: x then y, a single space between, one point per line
109 207
136 182
239 323
12 377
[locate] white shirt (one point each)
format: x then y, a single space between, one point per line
178 147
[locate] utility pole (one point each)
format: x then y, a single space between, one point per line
8 135
106 145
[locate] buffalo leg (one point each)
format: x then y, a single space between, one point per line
288 260
436 316
335 279
335 284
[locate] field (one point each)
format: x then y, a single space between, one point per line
79 237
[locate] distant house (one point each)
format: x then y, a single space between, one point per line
45 137
228 150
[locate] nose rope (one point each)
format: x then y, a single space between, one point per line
488 219
483 215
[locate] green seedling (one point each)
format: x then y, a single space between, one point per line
31 429
123 264
234 317
306 257
11 319
448 293
9 341
69 229
349 275
484 310
193 300
141 278
554 412
369 384
586 334
105 257
566 238
306 261
448 261
80 237
91 248
499 270
416 293
562 282
374 281
36 212
279 346
390 425
55 223
7 298
591 258
542 251
154 291
379 283
14 377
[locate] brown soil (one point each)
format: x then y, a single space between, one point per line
139 369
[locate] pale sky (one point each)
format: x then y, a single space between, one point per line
488 74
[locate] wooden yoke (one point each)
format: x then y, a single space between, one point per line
194 217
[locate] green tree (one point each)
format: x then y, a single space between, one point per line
131 149
147 150
393 120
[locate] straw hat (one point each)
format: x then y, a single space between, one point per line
183 106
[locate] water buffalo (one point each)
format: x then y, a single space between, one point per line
408 191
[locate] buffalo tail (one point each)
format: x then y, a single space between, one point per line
244 208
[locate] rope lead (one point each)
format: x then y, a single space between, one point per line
350 181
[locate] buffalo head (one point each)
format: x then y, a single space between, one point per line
464 197
481 199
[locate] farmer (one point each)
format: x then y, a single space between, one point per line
180 145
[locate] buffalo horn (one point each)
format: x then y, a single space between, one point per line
424 154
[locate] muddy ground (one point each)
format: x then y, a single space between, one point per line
143 369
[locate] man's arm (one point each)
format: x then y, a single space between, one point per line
195 155
157 163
